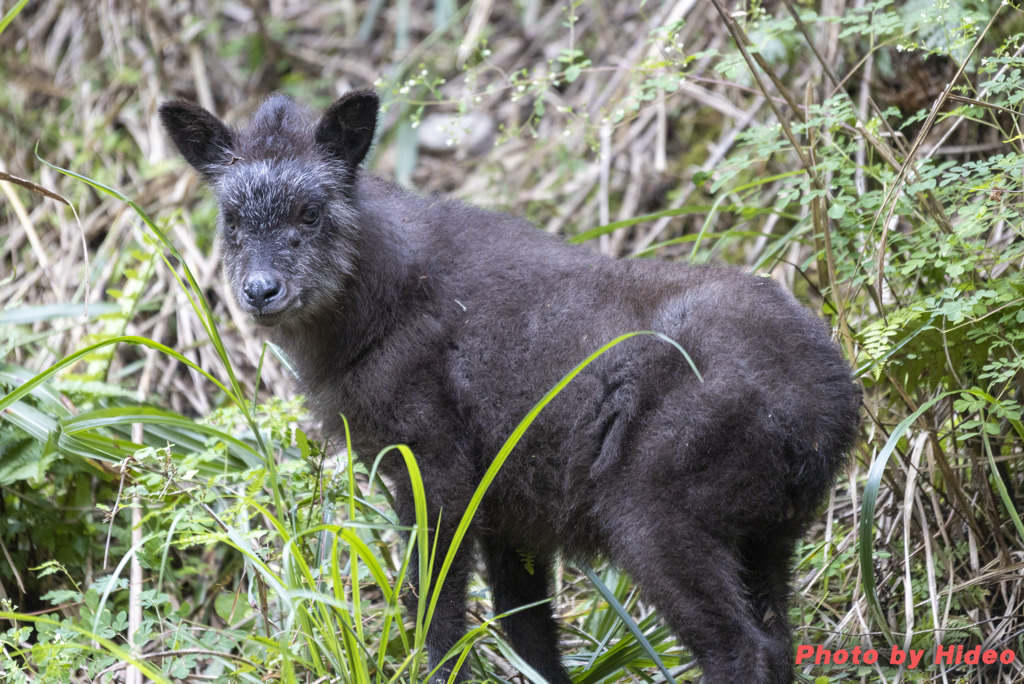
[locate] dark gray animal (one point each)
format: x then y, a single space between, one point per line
438 325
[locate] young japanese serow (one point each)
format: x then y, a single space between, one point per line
438 325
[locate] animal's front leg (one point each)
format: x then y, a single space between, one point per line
532 632
448 622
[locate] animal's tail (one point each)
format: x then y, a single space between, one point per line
821 449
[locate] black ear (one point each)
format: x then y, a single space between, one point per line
346 129
203 140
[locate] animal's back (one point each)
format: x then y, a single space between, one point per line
514 310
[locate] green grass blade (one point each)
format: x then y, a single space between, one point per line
625 223
27 315
420 532
628 621
867 515
38 424
128 415
71 359
780 244
693 237
17 375
11 13
1004 494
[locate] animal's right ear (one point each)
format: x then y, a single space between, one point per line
346 129
203 140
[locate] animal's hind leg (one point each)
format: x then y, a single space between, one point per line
532 632
694 579
767 560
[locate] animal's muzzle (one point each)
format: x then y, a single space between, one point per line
263 291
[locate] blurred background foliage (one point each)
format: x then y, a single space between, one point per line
868 155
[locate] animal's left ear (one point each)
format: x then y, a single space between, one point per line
346 129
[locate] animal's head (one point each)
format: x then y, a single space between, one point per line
285 188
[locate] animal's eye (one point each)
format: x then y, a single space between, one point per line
230 222
310 215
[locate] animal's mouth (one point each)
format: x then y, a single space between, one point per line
270 314
268 319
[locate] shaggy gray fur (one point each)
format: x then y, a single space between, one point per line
438 325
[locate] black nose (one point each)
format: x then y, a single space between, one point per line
261 289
